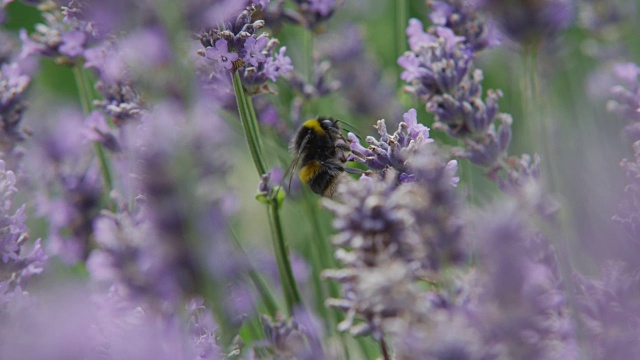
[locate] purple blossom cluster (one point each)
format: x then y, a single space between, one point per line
310 14
236 46
465 20
18 262
391 234
530 22
13 85
148 247
440 71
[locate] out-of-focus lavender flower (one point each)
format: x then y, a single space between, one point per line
312 14
63 33
390 234
97 129
72 43
626 97
629 212
17 264
288 338
120 101
357 69
262 3
69 183
464 19
74 323
530 21
13 85
321 82
605 17
522 287
609 310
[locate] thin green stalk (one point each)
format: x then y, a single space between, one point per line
250 125
290 287
401 12
85 93
561 230
267 298
308 54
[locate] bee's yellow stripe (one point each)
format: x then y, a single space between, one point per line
308 171
314 124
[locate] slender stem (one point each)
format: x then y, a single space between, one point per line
400 10
267 298
288 281
250 125
384 349
85 93
308 54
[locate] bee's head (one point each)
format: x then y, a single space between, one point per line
329 125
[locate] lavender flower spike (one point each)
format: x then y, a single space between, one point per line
392 150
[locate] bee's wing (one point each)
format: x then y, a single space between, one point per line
294 163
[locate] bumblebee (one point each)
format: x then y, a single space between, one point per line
321 149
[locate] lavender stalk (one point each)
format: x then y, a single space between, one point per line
85 102
250 124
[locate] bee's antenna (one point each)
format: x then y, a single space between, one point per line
354 129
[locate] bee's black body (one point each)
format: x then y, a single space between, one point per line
321 148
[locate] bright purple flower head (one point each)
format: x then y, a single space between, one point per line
220 53
391 150
253 50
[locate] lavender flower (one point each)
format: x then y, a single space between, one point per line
287 338
465 20
629 212
220 54
17 265
440 72
609 310
237 45
527 21
13 85
278 65
392 150
626 98
390 234
70 186
75 322
523 288
97 129
63 34
359 69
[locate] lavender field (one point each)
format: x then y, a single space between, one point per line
319 179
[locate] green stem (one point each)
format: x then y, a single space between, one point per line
85 93
401 21
249 124
267 298
289 286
